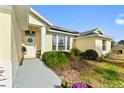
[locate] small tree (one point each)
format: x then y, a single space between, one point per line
113 43
121 42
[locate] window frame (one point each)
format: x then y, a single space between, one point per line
66 41
54 44
104 45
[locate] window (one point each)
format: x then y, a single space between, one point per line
104 43
68 42
32 33
61 42
54 38
29 33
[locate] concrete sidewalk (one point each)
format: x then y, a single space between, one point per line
35 74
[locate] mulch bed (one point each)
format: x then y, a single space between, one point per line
75 69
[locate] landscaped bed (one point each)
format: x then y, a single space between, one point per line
106 73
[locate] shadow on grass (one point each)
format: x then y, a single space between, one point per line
107 74
118 64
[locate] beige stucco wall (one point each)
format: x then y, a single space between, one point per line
10 44
94 43
5 45
98 45
85 43
16 41
5 35
38 40
35 20
48 41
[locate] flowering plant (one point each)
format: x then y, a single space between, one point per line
81 85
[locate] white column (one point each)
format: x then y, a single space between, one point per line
66 43
43 39
57 42
72 42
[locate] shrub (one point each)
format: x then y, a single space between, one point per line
91 54
102 57
55 59
75 51
82 55
65 84
68 54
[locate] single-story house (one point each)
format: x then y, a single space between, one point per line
94 39
20 25
119 49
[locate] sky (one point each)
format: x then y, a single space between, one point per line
110 19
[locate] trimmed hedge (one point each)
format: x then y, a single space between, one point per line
82 55
55 59
91 54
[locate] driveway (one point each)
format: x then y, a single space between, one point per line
35 74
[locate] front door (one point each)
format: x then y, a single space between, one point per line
30 44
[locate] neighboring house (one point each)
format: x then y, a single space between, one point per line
21 25
119 49
94 39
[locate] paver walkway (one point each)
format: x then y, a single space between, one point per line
35 74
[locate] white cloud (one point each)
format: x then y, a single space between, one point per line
119 21
121 15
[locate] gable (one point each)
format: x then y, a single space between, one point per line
99 32
36 18
36 21
92 32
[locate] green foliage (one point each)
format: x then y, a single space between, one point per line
105 74
68 54
91 54
121 42
82 55
75 51
55 59
113 43
102 57
65 84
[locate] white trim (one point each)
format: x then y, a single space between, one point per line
95 35
61 32
57 42
66 39
43 39
41 17
100 31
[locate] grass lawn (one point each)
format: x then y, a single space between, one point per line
105 74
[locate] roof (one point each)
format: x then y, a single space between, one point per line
41 17
119 45
63 29
93 31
